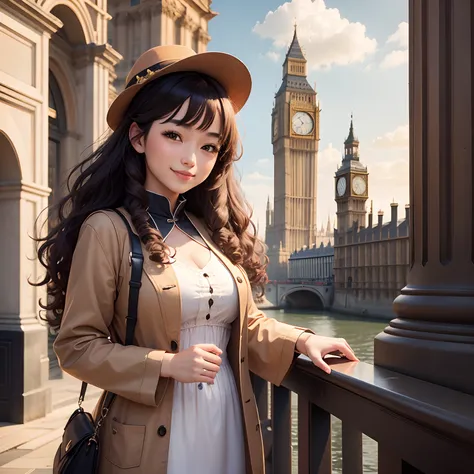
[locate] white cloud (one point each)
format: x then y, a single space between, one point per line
326 38
400 37
273 56
397 139
399 56
394 59
256 176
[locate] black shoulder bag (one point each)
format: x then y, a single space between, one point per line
79 449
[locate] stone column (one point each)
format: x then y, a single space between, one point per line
94 65
433 336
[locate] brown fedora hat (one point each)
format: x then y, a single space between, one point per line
229 71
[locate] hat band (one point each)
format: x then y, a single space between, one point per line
150 71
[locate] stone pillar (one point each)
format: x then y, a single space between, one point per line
94 65
433 336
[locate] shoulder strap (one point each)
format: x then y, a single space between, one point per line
136 262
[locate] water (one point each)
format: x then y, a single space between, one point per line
359 333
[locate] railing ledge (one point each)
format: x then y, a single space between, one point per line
444 410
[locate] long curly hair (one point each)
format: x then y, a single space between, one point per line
114 176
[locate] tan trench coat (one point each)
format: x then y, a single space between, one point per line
136 433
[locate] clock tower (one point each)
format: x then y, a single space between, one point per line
351 186
295 136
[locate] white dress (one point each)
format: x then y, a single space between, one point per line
206 428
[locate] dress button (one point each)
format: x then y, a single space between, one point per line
205 275
200 385
174 346
208 316
211 302
239 279
161 430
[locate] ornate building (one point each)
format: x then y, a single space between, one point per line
57 70
291 223
138 25
371 259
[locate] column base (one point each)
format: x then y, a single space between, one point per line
24 394
429 355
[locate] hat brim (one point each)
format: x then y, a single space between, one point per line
229 71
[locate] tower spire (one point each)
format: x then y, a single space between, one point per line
295 51
351 144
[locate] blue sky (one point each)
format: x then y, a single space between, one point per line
357 53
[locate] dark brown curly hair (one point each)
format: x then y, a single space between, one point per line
114 176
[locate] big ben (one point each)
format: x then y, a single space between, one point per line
291 224
351 186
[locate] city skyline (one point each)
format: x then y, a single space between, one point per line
357 59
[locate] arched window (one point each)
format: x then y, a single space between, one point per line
57 129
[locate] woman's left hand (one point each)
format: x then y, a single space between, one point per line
316 347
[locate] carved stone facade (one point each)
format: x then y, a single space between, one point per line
56 74
141 24
291 222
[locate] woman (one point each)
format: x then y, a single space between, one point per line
185 402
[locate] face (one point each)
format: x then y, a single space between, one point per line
178 157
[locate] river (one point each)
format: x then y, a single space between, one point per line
360 334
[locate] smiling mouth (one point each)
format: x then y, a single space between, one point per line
184 174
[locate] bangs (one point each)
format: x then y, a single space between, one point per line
165 97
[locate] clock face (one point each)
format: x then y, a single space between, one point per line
302 123
341 186
359 185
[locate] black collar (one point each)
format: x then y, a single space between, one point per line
160 206
164 219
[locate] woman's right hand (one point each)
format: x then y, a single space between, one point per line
198 363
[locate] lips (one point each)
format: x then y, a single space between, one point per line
185 175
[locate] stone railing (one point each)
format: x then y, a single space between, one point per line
419 427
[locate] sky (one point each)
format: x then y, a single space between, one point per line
357 56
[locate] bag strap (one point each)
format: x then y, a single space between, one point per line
135 260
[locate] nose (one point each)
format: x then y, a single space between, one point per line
189 159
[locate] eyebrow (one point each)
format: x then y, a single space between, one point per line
185 125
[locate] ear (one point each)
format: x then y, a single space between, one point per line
137 138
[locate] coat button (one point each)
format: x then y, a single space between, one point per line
161 430
239 279
242 359
174 346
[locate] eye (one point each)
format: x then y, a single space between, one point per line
172 135
210 148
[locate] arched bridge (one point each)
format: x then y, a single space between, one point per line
300 294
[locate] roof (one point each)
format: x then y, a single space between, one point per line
295 51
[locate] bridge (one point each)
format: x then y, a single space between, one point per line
300 294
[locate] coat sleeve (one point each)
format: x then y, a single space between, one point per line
271 344
83 344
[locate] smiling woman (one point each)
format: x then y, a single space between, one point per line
183 397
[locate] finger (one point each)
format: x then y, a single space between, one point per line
209 375
347 351
210 348
319 362
209 367
212 358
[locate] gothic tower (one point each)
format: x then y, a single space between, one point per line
351 187
295 136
